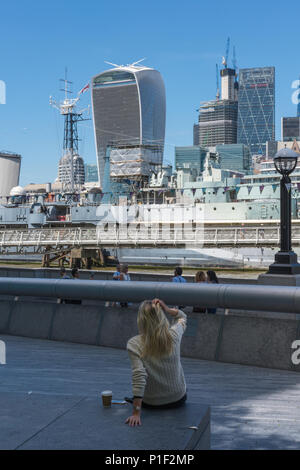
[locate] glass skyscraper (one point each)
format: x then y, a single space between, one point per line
129 109
256 109
192 157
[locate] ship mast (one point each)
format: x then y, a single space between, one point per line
67 108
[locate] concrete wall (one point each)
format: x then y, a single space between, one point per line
52 273
249 340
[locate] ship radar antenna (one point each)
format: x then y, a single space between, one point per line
67 108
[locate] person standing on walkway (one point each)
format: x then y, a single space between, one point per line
212 279
178 275
124 276
63 274
158 380
178 278
75 275
200 278
116 277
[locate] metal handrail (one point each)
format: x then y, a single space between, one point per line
245 297
216 236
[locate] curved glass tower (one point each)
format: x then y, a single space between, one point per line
129 109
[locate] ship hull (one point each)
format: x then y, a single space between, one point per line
233 257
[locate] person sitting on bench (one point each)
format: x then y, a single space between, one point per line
157 375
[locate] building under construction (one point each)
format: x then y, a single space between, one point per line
217 123
134 162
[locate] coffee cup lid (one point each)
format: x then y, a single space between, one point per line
107 392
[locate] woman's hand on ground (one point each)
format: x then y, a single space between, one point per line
134 420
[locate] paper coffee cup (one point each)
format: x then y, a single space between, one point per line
106 397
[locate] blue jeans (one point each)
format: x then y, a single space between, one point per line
211 310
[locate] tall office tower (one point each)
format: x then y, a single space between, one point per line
129 113
290 128
228 89
217 123
256 113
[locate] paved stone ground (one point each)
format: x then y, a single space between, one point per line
251 408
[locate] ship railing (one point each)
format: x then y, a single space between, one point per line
145 234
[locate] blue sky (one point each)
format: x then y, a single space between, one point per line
183 40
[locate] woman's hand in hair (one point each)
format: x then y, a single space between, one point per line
160 303
166 309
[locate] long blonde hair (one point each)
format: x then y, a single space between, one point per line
154 327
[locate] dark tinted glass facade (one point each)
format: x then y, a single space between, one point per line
196 134
290 128
234 157
256 112
191 157
113 76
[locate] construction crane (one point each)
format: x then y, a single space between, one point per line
233 58
225 59
217 83
234 63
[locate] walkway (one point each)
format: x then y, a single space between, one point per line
252 408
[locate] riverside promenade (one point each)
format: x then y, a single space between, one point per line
50 393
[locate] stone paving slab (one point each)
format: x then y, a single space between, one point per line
251 407
24 415
89 426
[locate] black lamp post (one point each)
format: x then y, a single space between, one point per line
285 162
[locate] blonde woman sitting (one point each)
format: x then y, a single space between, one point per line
157 375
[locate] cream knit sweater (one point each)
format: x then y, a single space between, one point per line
159 381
